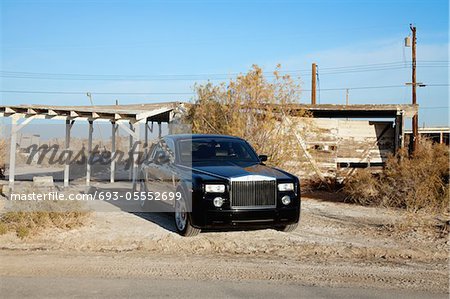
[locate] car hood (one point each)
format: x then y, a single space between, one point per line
231 170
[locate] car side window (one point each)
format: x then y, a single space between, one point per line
162 153
156 150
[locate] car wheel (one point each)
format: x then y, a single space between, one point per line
141 187
288 228
182 220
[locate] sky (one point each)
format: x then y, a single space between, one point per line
159 50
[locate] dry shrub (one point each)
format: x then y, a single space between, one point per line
250 107
28 218
417 183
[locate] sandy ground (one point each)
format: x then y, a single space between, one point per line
336 245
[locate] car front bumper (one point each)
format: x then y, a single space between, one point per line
257 218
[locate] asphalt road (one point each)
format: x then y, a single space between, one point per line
85 287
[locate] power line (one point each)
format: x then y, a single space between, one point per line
193 93
214 76
434 107
97 93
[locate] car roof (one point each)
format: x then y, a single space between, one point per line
176 137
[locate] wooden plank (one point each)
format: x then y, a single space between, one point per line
12 153
88 164
67 148
113 151
9 110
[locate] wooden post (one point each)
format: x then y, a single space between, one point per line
313 84
89 154
67 148
136 156
159 129
146 138
130 176
113 151
12 152
398 132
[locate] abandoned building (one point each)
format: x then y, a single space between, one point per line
350 135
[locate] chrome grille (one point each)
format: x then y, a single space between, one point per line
253 194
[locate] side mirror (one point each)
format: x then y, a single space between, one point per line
161 158
262 158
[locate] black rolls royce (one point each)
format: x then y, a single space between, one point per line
217 181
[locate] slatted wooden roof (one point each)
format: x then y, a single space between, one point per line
158 112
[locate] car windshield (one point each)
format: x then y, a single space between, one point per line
216 149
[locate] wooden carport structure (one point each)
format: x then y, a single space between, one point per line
127 117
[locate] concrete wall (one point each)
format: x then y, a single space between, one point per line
336 144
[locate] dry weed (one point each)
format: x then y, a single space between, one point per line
32 217
252 108
417 183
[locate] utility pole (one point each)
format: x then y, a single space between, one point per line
346 97
89 95
313 84
415 119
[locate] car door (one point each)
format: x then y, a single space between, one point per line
161 176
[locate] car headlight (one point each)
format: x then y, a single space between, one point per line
286 187
214 188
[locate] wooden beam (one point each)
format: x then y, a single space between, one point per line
129 130
20 126
52 112
9 110
147 114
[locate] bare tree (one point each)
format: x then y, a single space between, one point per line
251 107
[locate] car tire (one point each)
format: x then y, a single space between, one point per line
142 187
183 220
288 228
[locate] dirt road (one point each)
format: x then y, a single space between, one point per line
337 245
157 288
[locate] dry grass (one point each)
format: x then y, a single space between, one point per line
31 218
419 183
